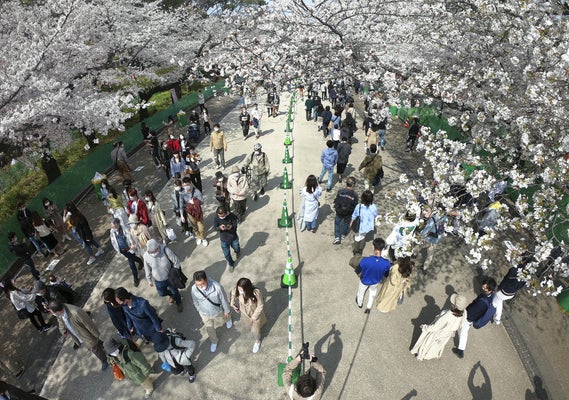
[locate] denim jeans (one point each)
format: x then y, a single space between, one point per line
311 225
165 288
341 226
132 259
89 247
382 138
330 172
226 248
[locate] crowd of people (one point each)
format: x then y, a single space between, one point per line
140 232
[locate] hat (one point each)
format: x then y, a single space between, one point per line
234 169
219 175
458 301
111 345
161 341
133 219
152 245
257 146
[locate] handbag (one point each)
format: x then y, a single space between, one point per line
171 234
401 298
177 277
23 313
355 227
117 373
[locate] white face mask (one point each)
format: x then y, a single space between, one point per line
216 129
177 188
115 353
257 152
47 204
103 186
188 188
147 199
241 292
132 198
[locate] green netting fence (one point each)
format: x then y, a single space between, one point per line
77 178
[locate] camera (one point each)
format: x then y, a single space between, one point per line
305 353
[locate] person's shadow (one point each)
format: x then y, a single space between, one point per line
484 391
329 351
540 392
426 316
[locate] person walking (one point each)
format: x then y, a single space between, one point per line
371 270
435 336
23 300
393 290
120 160
45 235
137 206
22 251
245 121
308 104
413 134
400 240
430 236
211 303
366 211
180 210
76 323
226 223
508 288
116 313
256 115
218 146
344 150
55 219
175 351
193 171
247 301
201 101
157 263
83 230
329 158
123 244
258 164
192 202
310 193
476 312
344 204
141 317
177 165
238 189
372 165
131 362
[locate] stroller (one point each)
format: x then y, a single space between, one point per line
193 132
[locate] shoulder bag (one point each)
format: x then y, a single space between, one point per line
355 227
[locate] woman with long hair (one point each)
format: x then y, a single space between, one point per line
247 300
22 302
310 193
394 288
45 234
367 211
53 214
156 215
116 206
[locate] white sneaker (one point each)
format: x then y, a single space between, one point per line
229 324
497 322
191 236
187 233
198 241
204 243
99 252
91 260
213 347
256 347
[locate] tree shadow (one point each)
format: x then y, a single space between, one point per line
426 316
331 358
540 392
484 391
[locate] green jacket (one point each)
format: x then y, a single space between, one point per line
136 368
371 164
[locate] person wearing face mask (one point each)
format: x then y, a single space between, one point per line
192 202
226 223
247 301
193 160
156 215
177 164
179 209
137 206
120 160
174 144
220 185
157 263
258 163
139 233
53 214
131 362
218 146
256 115
164 157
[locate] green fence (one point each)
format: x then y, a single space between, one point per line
74 181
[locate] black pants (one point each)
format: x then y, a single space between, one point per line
197 181
40 323
245 130
132 259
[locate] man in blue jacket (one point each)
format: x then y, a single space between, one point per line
474 312
141 317
329 158
371 271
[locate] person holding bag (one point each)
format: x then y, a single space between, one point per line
22 302
364 216
393 290
247 301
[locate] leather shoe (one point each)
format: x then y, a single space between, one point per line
358 304
458 352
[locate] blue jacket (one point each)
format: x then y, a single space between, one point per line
329 157
373 269
478 307
142 317
119 320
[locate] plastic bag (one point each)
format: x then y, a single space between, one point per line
171 234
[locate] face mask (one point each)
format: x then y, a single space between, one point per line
188 188
221 216
103 186
115 353
241 292
177 188
68 214
47 204
154 254
220 180
216 129
132 198
257 152
147 199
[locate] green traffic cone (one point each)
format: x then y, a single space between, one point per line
285 183
284 221
563 301
289 277
287 159
287 141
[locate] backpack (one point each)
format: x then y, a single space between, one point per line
343 205
487 316
172 335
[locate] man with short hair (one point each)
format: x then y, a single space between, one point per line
141 317
211 302
308 104
78 324
21 250
218 146
120 160
123 244
371 164
344 204
258 163
371 270
238 189
329 158
226 223
245 121
475 311
157 263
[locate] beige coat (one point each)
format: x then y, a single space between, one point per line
82 324
392 288
372 138
316 370
252 313
434 337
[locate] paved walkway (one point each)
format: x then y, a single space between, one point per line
366 356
